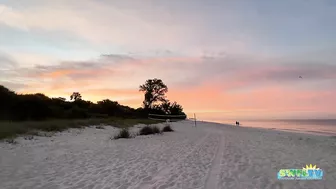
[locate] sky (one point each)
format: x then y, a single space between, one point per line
221 59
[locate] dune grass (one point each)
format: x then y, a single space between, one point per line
123 133
167 128
156 130
12 129
149 130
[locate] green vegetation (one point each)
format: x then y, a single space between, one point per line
27 113
11 129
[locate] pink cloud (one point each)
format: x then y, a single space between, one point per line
260 103
231 86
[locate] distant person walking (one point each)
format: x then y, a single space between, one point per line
237 123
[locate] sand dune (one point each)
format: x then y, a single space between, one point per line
210 156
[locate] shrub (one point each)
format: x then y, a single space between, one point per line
100 127
11 141
123 133
147 130
156 130
29 137
167 128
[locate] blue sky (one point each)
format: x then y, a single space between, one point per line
243 47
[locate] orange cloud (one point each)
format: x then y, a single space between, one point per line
114 66
260 102
209 101
112 94
75 73
57 73
133 102
200 85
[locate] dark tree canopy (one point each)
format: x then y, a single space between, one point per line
176 109
76 96
21 107
171 108
155 100
165 106
40 107
155 91
61 98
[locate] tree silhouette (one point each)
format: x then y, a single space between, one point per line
109 107
176 109
61 98
23 107
155 91
76 96
165 106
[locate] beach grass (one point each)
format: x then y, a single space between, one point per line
123 133
167 128
13 129
156 130
149 130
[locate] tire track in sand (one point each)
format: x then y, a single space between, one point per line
190 171
213 178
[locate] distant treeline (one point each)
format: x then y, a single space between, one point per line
22 107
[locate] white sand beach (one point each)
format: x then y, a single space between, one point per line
210 156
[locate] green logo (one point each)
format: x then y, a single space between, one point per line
306 173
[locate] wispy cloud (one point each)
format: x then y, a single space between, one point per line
217 56
225 74
230 70
74 18
6 61
134 26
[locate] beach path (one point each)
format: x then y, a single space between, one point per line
209 156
